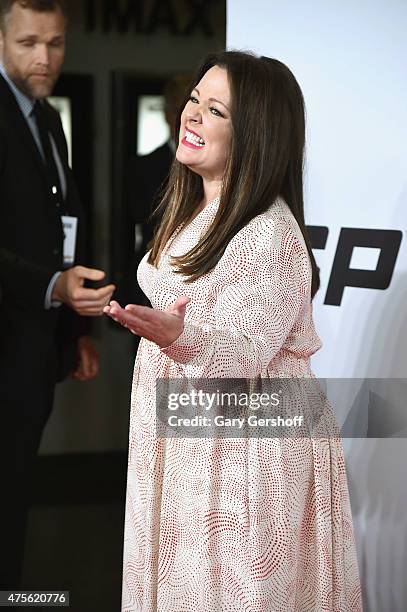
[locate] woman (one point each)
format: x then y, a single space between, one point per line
219 525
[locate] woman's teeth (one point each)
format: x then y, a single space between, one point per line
194 139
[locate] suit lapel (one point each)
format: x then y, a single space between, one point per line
56 133
21 128
60 142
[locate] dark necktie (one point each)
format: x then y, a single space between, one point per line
51 167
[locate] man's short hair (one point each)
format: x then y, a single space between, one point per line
42 6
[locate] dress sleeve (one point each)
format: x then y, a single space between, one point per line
254 313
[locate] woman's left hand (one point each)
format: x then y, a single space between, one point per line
160 326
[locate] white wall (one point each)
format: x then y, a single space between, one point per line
350 60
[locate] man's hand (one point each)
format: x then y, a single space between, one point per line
88 363
161 327
69 289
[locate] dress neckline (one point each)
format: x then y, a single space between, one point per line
205 208
192 221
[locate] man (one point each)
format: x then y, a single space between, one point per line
42 335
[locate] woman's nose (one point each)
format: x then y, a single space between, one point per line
194 113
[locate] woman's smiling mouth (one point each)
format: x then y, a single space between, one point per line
191 139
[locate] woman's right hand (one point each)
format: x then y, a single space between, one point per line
160 326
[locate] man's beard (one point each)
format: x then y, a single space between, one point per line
36 90
32 90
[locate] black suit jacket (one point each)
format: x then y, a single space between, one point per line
147 176
31 240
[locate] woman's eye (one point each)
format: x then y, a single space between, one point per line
215 111
193 99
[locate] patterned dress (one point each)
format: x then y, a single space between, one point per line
235 525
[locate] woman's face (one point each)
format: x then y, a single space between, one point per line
206 127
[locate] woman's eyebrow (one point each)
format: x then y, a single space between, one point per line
219 102
212 99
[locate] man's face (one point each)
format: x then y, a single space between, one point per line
32 44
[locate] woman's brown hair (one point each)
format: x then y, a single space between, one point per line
265 161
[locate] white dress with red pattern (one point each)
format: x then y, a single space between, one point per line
235 525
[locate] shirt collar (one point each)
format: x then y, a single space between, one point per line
25 103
